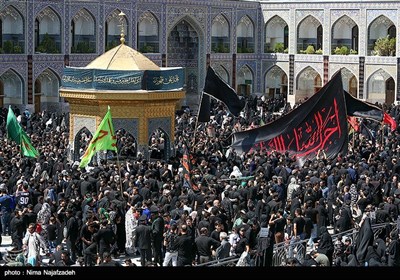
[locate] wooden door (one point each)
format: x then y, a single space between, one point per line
37 103
390 86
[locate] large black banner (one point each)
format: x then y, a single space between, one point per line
320 123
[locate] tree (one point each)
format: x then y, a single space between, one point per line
310 49
385 46
48 45
279 47
343 50
8 46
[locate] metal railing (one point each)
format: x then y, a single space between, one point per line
281 250
223 262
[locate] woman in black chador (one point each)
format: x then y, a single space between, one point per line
325 243
365 238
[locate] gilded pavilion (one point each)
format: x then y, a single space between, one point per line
142 96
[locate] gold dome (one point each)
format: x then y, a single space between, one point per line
122 57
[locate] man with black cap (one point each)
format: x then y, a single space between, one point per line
143 240
157 230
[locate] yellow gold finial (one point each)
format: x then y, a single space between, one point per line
122 15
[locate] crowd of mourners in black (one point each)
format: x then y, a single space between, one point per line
142 207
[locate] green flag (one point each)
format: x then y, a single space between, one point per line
27 149
13 127
103 139
18 135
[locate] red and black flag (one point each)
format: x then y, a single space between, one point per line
320 123
363 109
390 121
354 124
187 181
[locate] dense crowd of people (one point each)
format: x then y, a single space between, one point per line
145 207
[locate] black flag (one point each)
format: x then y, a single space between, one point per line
205 108
361 109
320 123
217 88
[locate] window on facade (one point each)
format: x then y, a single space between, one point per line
309 36
148 35
344 38
245 36
83 33
276 36
12 40
47 32
220 35
382 37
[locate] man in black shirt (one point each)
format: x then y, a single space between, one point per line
143 240
171 253
298 225
205 245
157 230
184 245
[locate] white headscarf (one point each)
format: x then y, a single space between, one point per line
235 173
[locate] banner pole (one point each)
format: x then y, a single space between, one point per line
120 175
197 122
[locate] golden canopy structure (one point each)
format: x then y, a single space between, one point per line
142 96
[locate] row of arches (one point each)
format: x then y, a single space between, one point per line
380 85
308 81
49 26
12 89
83 37
344 33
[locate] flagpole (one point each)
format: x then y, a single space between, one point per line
202 173
197 121
20 146
355 131
120 175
